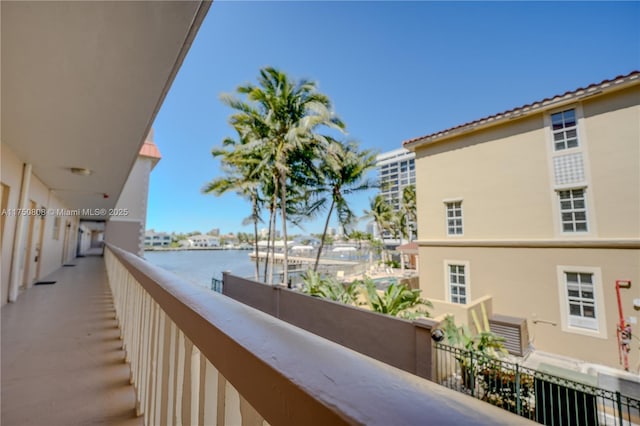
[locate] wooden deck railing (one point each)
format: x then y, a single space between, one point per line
200 358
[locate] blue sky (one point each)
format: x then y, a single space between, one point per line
394 71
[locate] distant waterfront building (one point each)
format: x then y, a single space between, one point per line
156 239
204 241
264 232
396 170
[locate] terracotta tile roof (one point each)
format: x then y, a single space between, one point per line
515 112
150 149
409 247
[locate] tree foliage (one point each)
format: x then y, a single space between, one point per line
396 300
284 161
324 287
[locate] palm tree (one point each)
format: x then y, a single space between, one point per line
343 169
358 236
240 176
282 117
329 288
382 214
397 300
409 210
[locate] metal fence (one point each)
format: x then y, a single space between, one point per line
542 397
216 285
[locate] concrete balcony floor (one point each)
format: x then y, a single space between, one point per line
62 361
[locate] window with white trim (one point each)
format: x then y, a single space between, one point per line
564 129
581 300
454 218
573 210
457 283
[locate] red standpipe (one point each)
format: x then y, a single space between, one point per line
623 331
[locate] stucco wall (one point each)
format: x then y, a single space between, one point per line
613 139
503 176
499 174
134 193
523 282
11 172
51 251
395 341
127 230
124 235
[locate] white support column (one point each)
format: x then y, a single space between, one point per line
18 241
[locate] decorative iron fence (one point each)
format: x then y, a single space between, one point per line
536 395
216 285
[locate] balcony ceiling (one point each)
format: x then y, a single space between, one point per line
82 83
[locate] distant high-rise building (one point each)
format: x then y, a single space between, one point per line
372 229
396 169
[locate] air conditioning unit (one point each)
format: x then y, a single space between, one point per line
515 332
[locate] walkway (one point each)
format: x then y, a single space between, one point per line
62 362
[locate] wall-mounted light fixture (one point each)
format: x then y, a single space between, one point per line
81 171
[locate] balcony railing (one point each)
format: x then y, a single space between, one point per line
534 394
200 358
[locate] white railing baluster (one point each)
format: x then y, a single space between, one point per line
160 373
232 415
179 367
142 353
171 380
210 394
195 385
152 362
145 362
134 339
202 380
186 383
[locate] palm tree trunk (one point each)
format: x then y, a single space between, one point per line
383 254
272 237
272 229
283 207
266 254
255 234
324 235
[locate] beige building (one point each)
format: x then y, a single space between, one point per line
127 224
537 211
